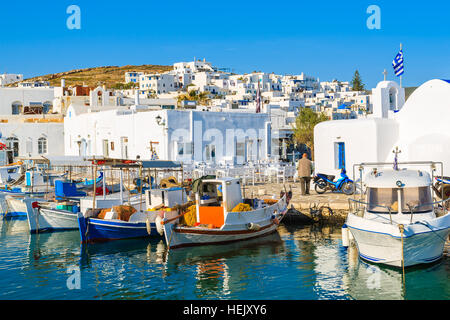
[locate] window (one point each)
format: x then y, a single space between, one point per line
47 107
380 199
185 148
240 151
210 150
16 107
29 146
418 198
42 145
13 144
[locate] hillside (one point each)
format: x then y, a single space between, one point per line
108 75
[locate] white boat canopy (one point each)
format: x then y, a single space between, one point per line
397 179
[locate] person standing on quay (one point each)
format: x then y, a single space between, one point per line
304 173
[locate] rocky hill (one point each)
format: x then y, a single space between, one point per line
111 76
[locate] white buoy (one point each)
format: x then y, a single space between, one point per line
159 226
345 236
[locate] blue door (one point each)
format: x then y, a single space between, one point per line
341 155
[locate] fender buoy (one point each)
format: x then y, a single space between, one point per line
149 228
159 226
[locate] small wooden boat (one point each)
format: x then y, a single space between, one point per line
220 217
399 224
51 216
111 219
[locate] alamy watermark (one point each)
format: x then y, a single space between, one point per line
74 20
74 280
374 20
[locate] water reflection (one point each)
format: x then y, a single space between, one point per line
217 269
367 281
296 262
13 225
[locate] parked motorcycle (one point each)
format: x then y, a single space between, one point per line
324 182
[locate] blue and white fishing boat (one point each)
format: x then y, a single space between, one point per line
88 184
95 225
399 223
11 173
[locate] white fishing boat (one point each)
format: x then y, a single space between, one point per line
63 215
11 172
219 218
398 223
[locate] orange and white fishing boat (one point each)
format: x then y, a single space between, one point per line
221 215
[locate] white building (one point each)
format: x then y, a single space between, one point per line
34 84
31 136
157 83
188 136
133 76
6 78
418 128
15 100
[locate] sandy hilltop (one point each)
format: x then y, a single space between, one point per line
111 76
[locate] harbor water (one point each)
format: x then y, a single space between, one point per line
297 262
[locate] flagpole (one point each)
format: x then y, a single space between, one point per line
401 75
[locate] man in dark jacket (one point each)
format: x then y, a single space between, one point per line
304 173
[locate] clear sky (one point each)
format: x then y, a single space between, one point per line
326 39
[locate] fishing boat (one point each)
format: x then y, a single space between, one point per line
113 219
89 184
398 224
11 172
61 214
221 216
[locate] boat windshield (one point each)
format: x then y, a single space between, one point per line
380 199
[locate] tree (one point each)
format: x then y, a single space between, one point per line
304 127
193 95
357 84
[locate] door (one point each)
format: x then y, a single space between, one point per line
341 155
105 148
124 147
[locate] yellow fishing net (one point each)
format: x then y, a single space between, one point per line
242 207
190 217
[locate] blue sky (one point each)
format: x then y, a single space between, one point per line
326 39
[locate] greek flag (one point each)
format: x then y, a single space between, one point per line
397 64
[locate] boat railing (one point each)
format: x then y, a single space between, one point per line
434 204
357 207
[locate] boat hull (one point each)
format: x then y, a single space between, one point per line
43 219
187 237
236 227
384 244
98 230
16 207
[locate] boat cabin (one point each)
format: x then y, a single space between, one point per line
398 192
214 198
